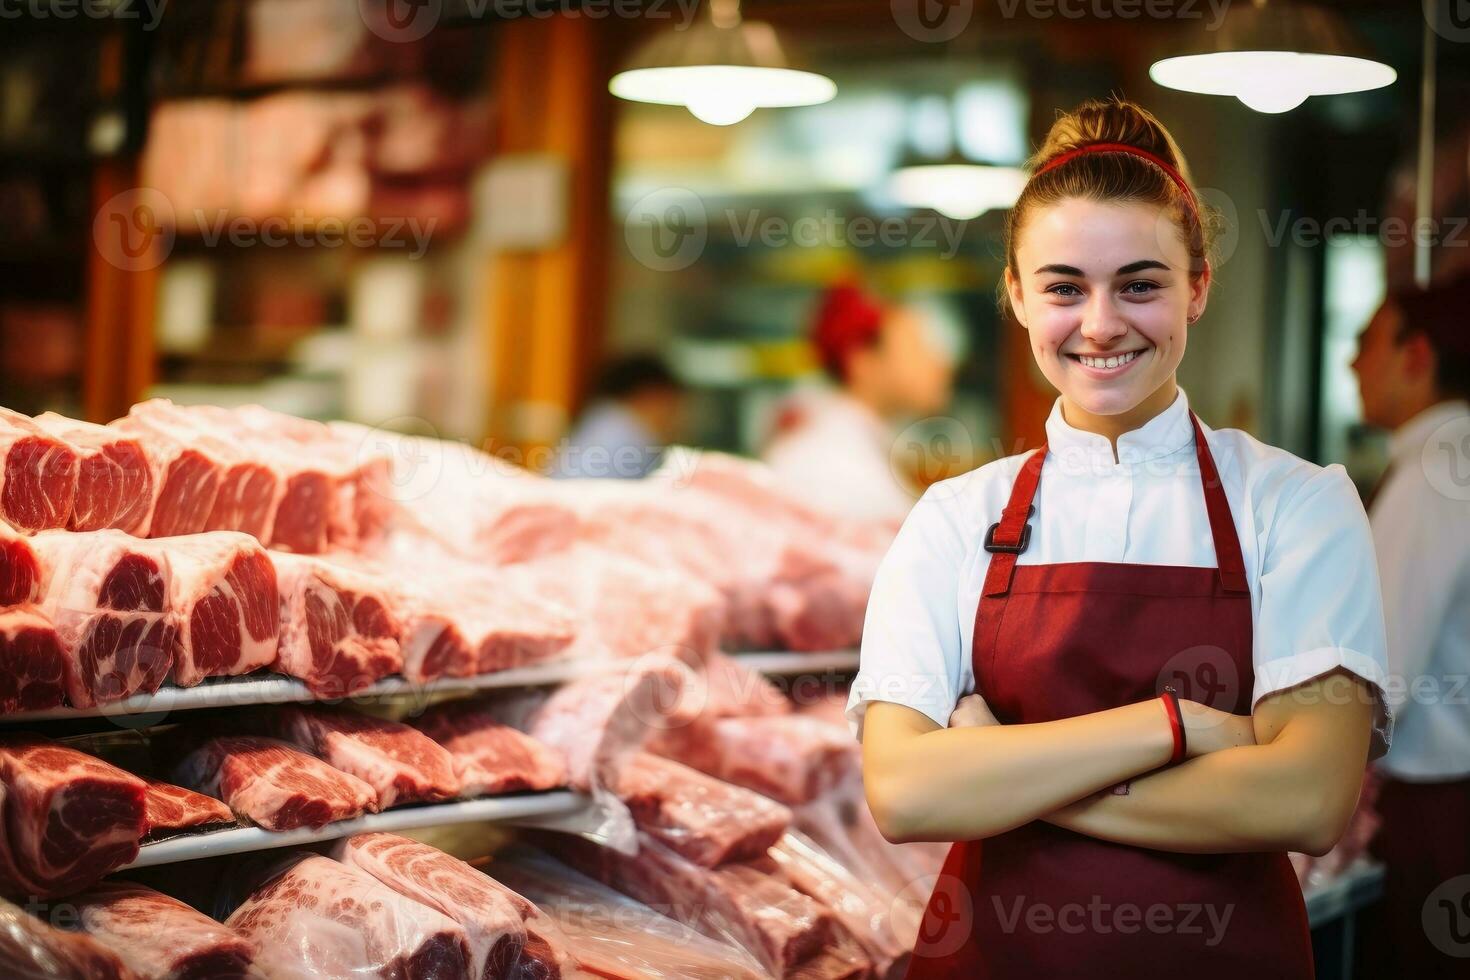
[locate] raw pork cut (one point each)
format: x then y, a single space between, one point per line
488 756
33 664
114 481
39 479
327 921
34 950
400 764
493 917
160 937
460 620
223 592
736 902
68 818
273 784
703 819
736 691
610 934
20 569
108 594
338 632
791 758
170 807
187 471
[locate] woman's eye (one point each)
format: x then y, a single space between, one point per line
1139 286
1064 289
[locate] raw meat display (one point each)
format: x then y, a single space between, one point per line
161 937
33 663
791 758
490 757
704 820
34 950
612 935
737 902
222 589
108 595
114 480
338 629
493 917
272 783
66 818
169 807
321 919
187 470
736 691
39 479
398 762
864 910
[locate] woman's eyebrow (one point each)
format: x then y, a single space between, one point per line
1123 270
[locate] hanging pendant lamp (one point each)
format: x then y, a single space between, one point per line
1273 56
721 69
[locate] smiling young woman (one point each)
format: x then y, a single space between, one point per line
1129 671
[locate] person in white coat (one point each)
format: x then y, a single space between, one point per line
1413 368
833 446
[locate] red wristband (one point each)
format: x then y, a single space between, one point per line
1176 724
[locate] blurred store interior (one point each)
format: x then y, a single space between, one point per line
502 197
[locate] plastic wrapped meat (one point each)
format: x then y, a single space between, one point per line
66 818
33 663
703 819
114 480
736 903
34 950
791 758
614 936
736 691
323 920
492 916
490 757
20 568
160 937
170 807
273 784
339 631
399 763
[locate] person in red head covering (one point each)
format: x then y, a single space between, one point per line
1413 368
886 366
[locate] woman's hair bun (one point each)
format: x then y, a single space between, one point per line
1110 120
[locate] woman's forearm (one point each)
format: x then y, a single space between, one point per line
968 783
1237 800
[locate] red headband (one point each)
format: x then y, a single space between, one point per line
1157 161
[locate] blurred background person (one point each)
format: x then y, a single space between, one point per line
887 368
637 409
1413 368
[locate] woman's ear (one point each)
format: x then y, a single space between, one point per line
1013 293
1199 293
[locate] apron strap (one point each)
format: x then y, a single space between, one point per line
1222 524
1010 536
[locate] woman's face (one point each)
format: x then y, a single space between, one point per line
1104 291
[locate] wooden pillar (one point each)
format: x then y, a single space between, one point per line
548 307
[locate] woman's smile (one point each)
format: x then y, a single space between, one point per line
1106 364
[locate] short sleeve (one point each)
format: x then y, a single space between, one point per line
912 650
1320 603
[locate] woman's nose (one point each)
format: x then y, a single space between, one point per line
1101 323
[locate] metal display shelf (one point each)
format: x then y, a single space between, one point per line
234 692
1358 886
239 840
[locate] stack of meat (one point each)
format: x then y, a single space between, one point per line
189 543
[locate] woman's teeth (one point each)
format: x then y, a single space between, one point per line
1108 362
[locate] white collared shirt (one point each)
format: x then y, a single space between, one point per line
1421 529
1307 547
838 457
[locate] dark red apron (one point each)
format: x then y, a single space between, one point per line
1057 641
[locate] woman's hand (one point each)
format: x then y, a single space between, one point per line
972 712
1208 729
